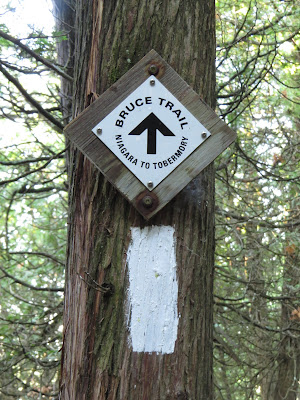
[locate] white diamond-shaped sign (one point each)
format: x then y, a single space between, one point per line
151 132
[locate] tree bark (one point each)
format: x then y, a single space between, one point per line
97 357
288 358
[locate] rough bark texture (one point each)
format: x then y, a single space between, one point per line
98 362
64 21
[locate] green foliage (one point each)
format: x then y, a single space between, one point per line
257 197
33 213
32 242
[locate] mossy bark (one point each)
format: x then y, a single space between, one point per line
97 360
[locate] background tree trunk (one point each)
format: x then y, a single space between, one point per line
97 360
288 369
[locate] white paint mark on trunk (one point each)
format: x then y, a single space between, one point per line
153 289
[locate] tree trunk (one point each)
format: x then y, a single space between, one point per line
288 370
98 360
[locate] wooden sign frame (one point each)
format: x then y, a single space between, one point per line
148 203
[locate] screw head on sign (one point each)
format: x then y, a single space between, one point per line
153 69
99 131
152 82
150 184
204 134
147 201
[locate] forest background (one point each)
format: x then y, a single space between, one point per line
257 304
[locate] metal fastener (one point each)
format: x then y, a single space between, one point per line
147 201
204 134
99 131
150 184
152 82
153 69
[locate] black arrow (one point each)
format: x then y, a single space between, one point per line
151 123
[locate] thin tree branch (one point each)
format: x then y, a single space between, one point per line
266 224
25 71
23 283
254 32
38 253
36 56
31 160
2 183
31 100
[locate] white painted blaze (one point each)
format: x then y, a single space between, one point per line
153 289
